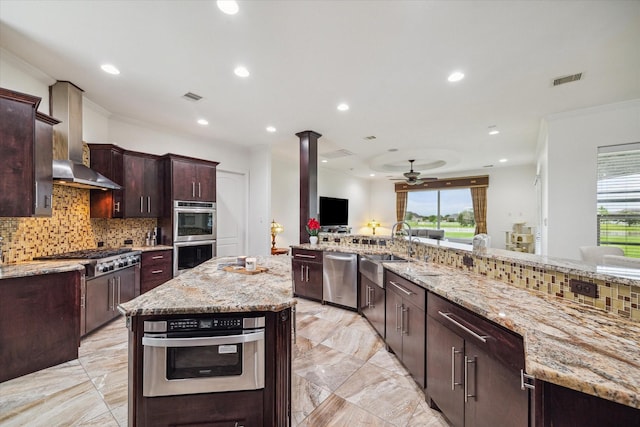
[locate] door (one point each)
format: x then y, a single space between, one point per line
445 359
231 207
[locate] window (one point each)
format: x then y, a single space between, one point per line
619 197
448 210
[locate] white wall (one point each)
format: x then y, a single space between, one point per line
573 139
260 201
18 75
356 190
285 195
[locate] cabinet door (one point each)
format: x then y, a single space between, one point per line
413 341
43 173
151 193
183 180
134 200
206 183
156 268
393 322
445 379
494 396
126 285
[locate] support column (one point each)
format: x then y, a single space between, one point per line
308 179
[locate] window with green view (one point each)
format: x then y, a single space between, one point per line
448 210
619 197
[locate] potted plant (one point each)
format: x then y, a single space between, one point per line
313 228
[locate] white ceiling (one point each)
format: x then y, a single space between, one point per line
389 60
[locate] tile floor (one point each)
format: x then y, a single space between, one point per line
342 376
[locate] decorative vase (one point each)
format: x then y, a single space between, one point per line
313 240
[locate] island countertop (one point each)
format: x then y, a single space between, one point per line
210 289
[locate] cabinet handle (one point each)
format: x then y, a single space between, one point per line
148 204
141 204
116 207
157 257
302 273
366 298
409 293
156 271
47 203
525 385
304 256
371 294
199 191
193 189
404 310
453 368
307 273
113 294
119 291
467 361
397 310
482 338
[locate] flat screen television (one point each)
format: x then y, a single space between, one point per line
333 212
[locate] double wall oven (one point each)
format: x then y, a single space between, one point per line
194 234
112 276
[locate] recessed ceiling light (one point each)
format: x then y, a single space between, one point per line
502 160
372 174
230 7
325 161
493 130
241 71
271 129
203 122
111 69
456 76
343 107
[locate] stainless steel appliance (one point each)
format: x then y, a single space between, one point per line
340 279
112 276
203 355
194 221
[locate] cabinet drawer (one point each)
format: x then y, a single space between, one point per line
409 291
307 255
154 258
501 343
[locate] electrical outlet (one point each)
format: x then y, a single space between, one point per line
583 288
382 243
100 244
128 242
467 260
336 240
354 241
365 241
325 239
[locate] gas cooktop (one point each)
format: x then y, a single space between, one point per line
87 254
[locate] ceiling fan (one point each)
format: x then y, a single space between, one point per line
412 177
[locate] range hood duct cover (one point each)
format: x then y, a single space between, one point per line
66 103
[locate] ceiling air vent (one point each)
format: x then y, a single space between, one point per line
370 137
567 79
192 96
337 154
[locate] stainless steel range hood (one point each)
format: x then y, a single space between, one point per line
66 105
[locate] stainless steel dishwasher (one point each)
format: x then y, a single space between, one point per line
340 279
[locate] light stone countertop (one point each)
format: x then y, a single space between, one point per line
567 344
35 268
209 289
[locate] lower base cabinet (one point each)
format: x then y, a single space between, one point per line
372 299
156 267
474 368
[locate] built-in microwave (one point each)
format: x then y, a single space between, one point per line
187 255
194 221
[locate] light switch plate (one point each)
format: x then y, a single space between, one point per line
583 288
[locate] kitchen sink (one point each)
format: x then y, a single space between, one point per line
371 266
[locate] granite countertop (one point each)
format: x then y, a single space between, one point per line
151 248
567 344
209 289
35 268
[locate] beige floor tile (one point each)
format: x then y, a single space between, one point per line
354 342
306 396
315 328
326 367
337 412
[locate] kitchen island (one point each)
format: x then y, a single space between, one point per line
210 295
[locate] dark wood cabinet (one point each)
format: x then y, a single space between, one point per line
270 406
156 267
372 304
192 179
474 368
406 323
39 322
306 269
141 185
138 174
26 156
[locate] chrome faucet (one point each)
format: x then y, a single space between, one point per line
409 250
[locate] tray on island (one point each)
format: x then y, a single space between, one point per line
242 270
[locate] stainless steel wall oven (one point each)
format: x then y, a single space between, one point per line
203 355
194 221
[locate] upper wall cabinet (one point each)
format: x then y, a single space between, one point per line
26 156
191 179
137 173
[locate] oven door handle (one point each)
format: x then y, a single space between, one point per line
202 341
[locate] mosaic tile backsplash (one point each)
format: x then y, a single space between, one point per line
619 298
69 228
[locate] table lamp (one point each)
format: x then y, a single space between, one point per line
275 229
373 224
